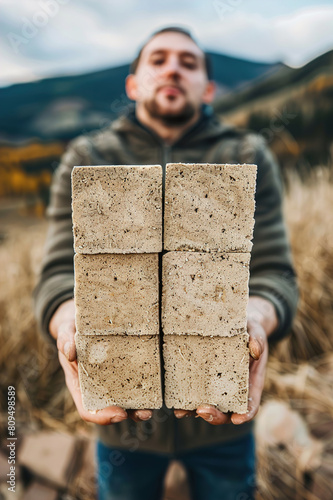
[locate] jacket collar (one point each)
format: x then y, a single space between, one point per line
207 128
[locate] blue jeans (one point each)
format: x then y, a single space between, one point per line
220 472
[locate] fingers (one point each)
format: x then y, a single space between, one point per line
213 415
257 340
256 385
107 416
139 415
65 340
183 413
208 413
254 348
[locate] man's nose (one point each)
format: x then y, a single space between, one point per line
171 67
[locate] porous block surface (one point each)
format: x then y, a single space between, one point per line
206 370
116 294
205 293
117 209
119 370
209 207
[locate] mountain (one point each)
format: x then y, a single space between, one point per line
63 107
292 109
276 83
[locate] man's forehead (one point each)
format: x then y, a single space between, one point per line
175 42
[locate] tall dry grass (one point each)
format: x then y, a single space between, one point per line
308 211
299 464
300 370
27 360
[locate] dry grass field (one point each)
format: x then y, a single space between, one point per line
294 428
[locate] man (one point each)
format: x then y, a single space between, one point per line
171 86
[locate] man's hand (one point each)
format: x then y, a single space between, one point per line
62 328
261 322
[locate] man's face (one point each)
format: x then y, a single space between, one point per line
171 81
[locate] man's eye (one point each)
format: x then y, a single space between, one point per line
189 64
158 61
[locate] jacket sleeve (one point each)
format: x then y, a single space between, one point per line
272 275
56 280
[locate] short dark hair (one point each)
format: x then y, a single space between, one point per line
173 29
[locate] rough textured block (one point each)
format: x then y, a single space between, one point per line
117 209
116 294
205 293
206 370
119 370
209 207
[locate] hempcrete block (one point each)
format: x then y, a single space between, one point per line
117 209
209 207
119 370
116 294
205 293
206 370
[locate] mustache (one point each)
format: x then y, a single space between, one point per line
171 84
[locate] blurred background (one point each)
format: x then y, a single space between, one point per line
63 65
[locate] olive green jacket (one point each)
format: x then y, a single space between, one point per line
127 142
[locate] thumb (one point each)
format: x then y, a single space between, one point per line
66 340
256 340
254 348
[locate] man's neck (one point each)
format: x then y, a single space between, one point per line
168 134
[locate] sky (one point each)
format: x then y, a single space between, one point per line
43 38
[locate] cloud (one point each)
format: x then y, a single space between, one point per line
82 35
293 39
306 34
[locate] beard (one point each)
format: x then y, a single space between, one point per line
171 119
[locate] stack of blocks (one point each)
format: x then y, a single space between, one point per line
117 225
208 226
